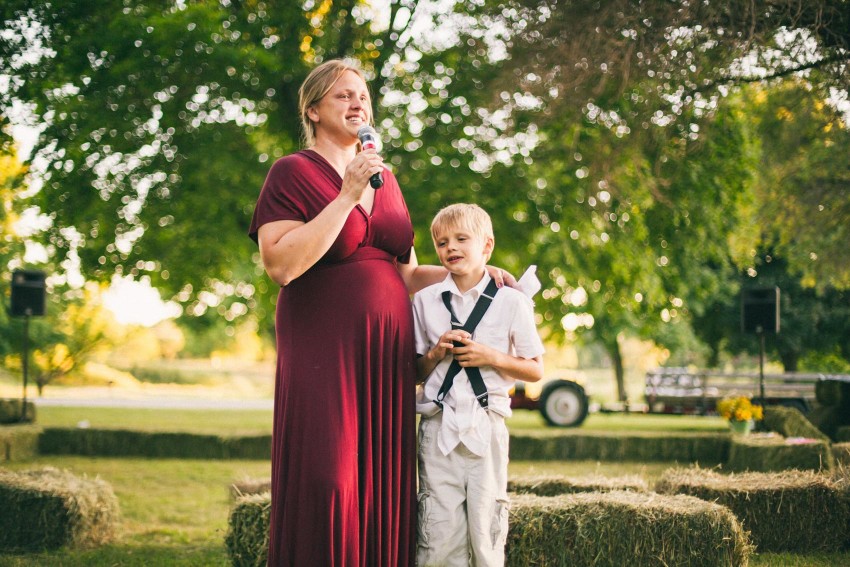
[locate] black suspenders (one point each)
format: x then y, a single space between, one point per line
473 373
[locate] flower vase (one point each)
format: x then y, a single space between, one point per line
741 427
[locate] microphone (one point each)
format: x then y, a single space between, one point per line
369 139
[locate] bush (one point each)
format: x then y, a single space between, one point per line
49 508
623 528
793 511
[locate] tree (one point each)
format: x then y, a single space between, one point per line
813 321
199 97
12 174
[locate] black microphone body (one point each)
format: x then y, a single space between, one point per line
369 139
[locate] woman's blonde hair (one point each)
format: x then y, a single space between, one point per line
463 215
316 86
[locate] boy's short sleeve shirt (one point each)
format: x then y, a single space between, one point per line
508 326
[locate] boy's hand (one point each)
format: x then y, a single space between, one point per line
475 354
446 344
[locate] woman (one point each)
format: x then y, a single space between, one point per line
343 477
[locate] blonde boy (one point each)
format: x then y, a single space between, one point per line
463 441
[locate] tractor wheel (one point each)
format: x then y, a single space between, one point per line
563 403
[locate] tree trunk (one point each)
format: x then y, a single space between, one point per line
613 347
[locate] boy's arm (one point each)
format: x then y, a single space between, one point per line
477 354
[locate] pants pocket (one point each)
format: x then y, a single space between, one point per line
424 518
499 525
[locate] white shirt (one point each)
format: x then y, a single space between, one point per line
507 326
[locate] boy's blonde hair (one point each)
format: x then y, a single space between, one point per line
316 86
465 216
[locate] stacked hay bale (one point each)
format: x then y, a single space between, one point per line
18 442
704 448
50 508
764 453
790 422
841 452
623 528
249 485
833 407
247 538
794 511
554 485
603 529
15 411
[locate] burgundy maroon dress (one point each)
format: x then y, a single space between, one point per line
343 456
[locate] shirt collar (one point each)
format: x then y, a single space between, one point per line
448 284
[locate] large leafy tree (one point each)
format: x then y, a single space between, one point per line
562 118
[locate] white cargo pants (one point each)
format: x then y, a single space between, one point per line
463 500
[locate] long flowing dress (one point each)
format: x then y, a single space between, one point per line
343 455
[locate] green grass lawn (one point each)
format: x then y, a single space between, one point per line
260 421
174 512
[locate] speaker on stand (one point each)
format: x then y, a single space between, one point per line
760 315
28 300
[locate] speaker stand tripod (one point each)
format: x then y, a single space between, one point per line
25 363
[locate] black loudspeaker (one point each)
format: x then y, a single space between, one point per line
27 293
760 310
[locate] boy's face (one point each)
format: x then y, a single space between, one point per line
461 251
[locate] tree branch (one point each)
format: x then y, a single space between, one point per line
775 75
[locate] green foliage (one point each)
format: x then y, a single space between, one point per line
607 140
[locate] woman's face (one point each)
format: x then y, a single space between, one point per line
343 110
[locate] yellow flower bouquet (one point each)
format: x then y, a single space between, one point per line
739 408
741 413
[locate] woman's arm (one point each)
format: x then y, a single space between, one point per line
289 248
418 276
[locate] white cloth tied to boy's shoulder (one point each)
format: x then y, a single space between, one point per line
508 326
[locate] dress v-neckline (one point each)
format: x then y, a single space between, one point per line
368 214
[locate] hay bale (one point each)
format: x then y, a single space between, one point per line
50 508
833 393
704 448
249 485
828 419
842 434
791 511
790 422
623 528
18 442
11 412
841 452
771 452
156 444
555 485
247 539
611 529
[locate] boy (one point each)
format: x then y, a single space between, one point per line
467 373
